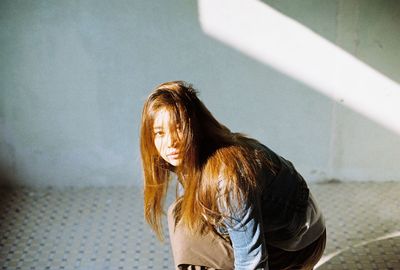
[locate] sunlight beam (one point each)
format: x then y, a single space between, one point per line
270 37
328 257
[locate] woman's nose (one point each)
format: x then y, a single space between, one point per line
172 140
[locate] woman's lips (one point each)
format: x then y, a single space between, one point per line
173 155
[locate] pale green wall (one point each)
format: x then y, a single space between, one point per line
368 29
365 150
74 75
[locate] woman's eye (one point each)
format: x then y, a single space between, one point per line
158 133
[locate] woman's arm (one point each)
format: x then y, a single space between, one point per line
246 233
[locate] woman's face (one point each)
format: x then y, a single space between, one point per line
167 138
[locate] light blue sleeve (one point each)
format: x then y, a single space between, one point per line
247 236
180 190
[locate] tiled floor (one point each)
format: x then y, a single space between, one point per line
103 228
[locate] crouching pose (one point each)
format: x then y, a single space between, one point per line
239 205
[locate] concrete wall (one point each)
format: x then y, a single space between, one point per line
74 75
361 150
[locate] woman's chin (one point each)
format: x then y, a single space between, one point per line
175 162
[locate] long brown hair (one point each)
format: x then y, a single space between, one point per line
216 163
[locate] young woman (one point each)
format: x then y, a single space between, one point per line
239 205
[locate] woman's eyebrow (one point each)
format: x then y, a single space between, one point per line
157 128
